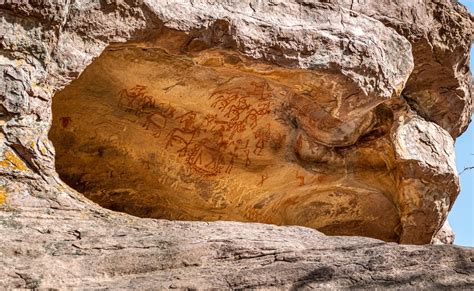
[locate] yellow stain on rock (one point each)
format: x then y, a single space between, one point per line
3 195
11 160
43 150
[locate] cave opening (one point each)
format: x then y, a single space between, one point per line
212 135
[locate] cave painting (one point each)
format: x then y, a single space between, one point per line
232 130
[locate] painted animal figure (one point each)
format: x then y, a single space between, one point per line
183 138
143 105
127 98
263 108
158 119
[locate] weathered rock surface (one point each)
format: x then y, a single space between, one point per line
440 33
334 115
445 235
70 248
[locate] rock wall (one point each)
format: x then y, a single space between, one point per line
335 115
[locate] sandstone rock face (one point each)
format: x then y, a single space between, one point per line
333 115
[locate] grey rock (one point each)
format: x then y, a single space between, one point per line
94 248
445 235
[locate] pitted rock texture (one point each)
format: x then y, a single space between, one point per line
327 114
68 248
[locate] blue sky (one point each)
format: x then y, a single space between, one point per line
461 217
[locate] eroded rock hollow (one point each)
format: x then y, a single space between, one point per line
335 115
215 136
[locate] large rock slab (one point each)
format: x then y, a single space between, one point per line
67 247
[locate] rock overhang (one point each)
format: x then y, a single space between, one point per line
214 135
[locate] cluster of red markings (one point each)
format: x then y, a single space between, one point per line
211 143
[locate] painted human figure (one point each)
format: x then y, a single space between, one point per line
184 135
158 119
236 109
